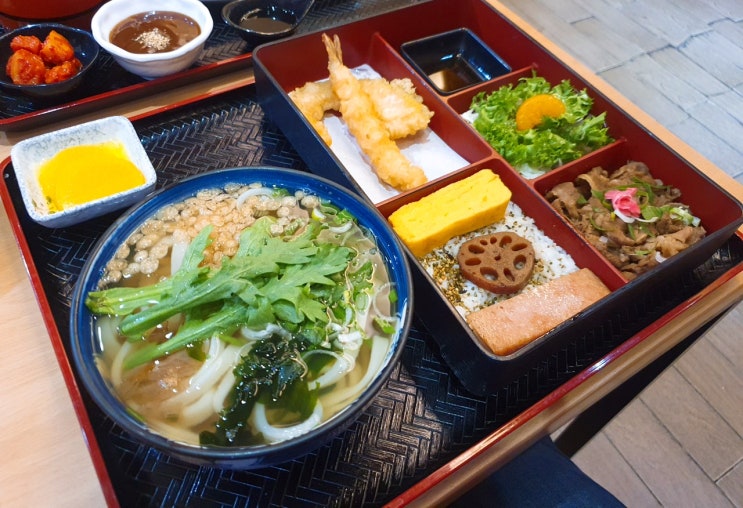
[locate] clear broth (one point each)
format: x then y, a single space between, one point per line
159 391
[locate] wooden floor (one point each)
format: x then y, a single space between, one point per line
680 443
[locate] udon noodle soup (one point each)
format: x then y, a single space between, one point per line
243 316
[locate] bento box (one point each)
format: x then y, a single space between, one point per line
671 217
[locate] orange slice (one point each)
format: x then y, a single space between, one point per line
533 110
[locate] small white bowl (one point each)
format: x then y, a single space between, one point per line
151 65
28 156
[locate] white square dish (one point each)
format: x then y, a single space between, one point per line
28 156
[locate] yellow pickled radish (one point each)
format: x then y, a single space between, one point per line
80 174
533 110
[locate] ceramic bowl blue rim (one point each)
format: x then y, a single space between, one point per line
87 55
82 337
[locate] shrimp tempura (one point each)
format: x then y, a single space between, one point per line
363 121
396 102
398 105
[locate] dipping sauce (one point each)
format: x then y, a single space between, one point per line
154 32
270 20
84 173
454 74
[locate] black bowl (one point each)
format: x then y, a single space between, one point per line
86 50
86 348
260 21
454 60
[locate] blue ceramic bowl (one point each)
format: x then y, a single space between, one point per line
86 50
85 346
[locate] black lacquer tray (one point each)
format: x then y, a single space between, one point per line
421 419
225 51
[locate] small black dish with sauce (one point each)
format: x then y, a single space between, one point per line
260 21
454 60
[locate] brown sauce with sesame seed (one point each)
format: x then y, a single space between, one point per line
154 32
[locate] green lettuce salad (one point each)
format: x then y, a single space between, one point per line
556 138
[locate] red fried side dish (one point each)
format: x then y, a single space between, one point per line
28 42
34 62
25 68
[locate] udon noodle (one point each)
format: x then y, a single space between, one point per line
243 316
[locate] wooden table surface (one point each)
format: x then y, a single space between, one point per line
45 461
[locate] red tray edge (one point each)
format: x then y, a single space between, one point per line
73 388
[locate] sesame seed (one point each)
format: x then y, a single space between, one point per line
153 39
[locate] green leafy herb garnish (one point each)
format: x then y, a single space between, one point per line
271 279
555 141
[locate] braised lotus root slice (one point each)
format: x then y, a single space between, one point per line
500 262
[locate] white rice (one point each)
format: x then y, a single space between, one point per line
551 261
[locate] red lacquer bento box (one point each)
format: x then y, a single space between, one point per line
453 51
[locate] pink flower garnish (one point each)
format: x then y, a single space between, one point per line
624 202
